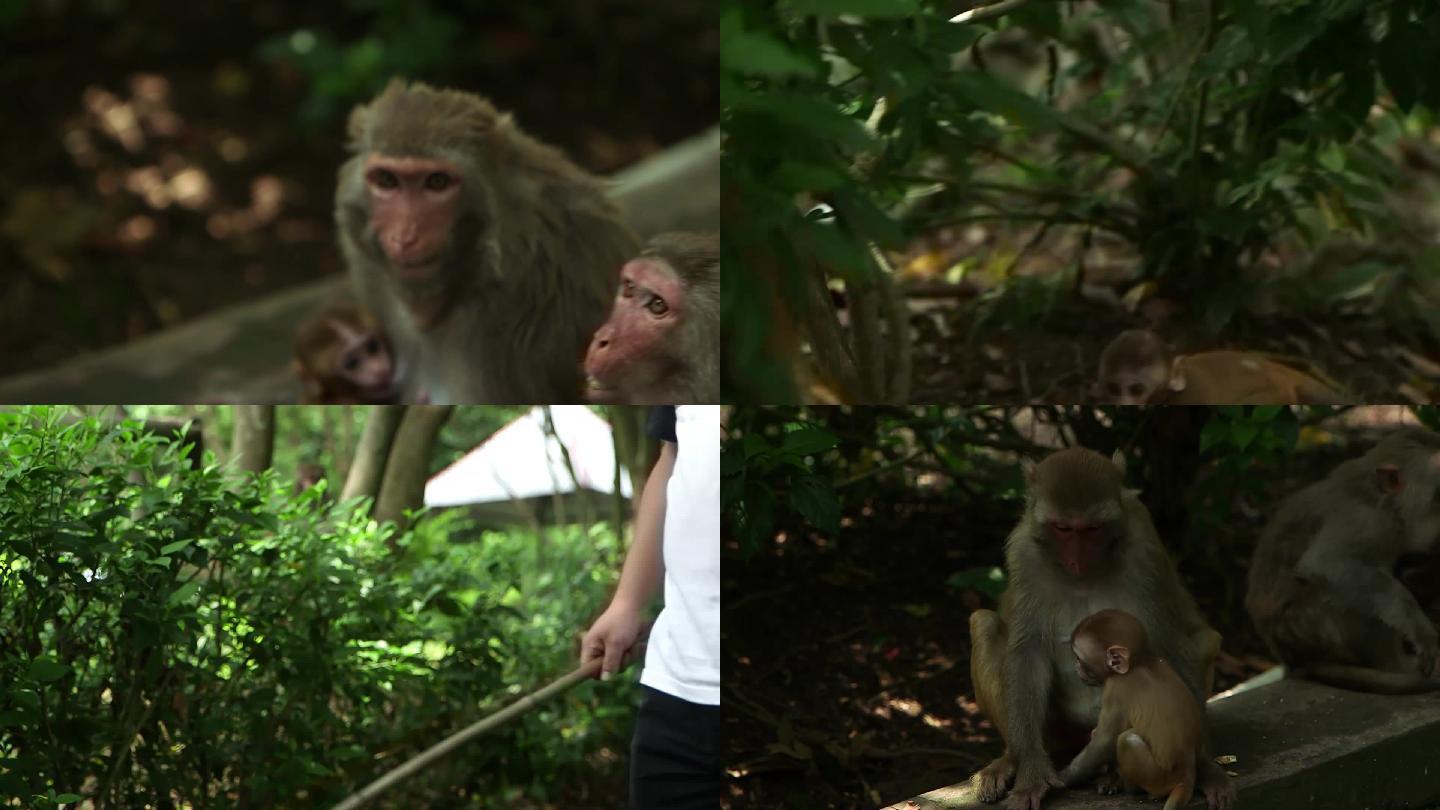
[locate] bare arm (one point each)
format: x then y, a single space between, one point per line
613 635
644 565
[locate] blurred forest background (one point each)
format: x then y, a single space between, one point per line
894 520
1042 175
239 607
163 159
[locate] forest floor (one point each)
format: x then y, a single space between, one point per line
197 170
847 661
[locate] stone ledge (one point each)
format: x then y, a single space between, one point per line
1298 745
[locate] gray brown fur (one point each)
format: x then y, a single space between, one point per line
1322 588
695 257
534 264
1043 603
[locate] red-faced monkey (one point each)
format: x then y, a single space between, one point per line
342 358
1136 368
1151 725
1323 592
661 344
489 257
1084 543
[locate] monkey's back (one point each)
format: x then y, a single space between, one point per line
1249 379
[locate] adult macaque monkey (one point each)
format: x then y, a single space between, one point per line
661 344
1137 368
1084 543
1323 592
1151 726
489 257
343 358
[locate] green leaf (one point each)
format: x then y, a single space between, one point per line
175 546
815 499
756 445
808 441
831 9
184 593
989 580
759 52
816 117
988 93
794 176
46 670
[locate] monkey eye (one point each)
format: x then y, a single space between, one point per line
372 346
352 363
627 288
657 305
1136 389
1113 388
383 178
437 181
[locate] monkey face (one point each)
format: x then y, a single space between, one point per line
631 350
1414 489
1079 544
414 205
1090 676
367 365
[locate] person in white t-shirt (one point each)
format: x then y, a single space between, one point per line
675 752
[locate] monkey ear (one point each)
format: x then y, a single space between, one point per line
1387 479
1118 459
1177 374
1117 658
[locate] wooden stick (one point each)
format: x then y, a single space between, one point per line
468 733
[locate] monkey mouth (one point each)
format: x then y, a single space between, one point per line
416 268
597 391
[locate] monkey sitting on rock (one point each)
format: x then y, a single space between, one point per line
1084 542
1151 726
1323 591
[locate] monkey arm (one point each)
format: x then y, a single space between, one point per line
1100 749
1028 681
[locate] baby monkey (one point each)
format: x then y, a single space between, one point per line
1150 724
1137 368
343 358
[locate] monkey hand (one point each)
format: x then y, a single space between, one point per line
1218 787
1032 781
613 637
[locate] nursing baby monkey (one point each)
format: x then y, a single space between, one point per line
1084 542
1151 726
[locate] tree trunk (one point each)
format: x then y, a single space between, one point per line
368 466
403 486
253 444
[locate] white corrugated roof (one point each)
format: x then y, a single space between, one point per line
521 461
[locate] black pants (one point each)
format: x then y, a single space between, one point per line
675 755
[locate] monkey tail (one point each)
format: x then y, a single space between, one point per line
1365 679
